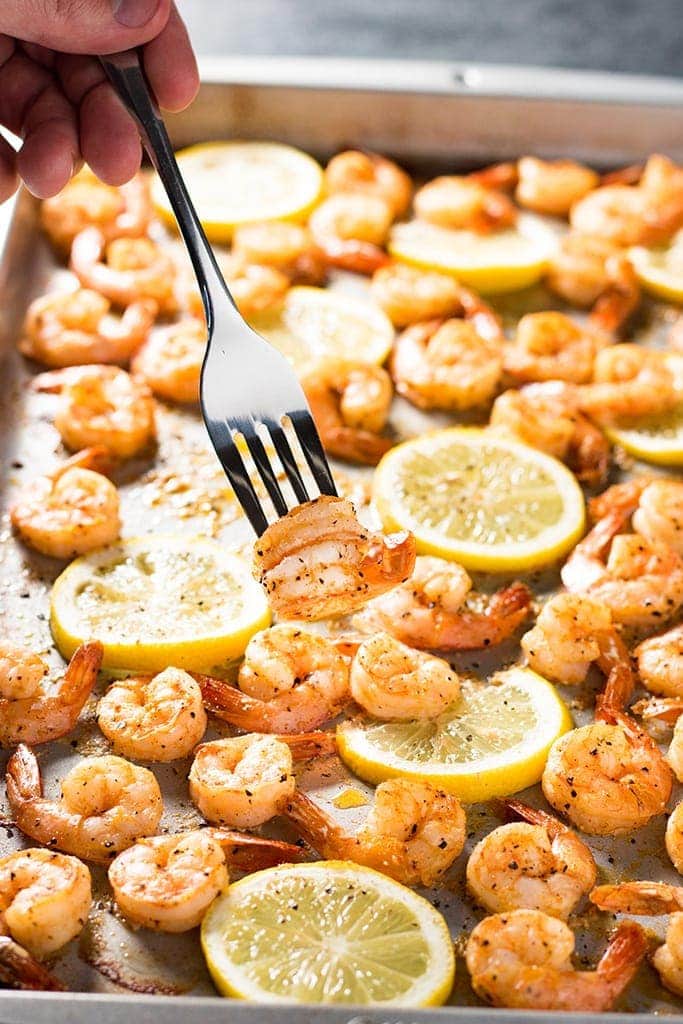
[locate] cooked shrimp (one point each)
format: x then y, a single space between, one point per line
429 610
655 504
629 381
153 718
19 970
254 288
170 361
370 174
660 663
413 832
32 713
446 365
87 202
125 269
547 416
350 404
319 561
167 883
550 346
290 681
350 230
522 959
644 214
71 510
106 804
667 709
101 406
584 268
72 328
454 201
287 247
535 864
553 186
44 899
409 295
243 781
390 680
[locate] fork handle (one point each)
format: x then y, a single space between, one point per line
127 77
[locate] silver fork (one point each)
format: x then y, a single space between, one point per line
248 388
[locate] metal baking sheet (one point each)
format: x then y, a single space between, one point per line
431 117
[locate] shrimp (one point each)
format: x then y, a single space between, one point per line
87 202
45 899
660 663
641 583
170 362
101 406
553 186
106 804
413 831
546 416
429 611
522 959
446 365
550 346
71 510
667 709
125 269
72 328
290 681
318 561
244 781
390 680
655 504
629 381
350 229
455 201
286 247
19 970
584 268
167 883
571 633
409 295
535 864
153 718
369 174
31 713
254 288
350 404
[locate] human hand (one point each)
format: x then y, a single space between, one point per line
55 96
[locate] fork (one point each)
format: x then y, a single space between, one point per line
248 389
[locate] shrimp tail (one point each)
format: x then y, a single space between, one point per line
618 302
313 825
583 567
19 970
231 705
23 781
97 458
81 674
503 176
589 453
623 496
306 746
630 175
467 630
247 853
640 898
534 815
353 254
614 660
390 557
485 321
666 709
622 958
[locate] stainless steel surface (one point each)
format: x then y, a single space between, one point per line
184 492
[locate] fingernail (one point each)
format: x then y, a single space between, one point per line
135 13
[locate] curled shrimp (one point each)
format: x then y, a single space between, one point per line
535 864
551 346
409 295
583 268
369 174
87 202
125 269
350 230
455 201
547 416
390 680
290 681
350 404
44 899
413 831
153 718
244 781
660 663
319 561
629 381
446 365
170 361
101 406
71 510
19 970
655 505
288 248
72 328
254 288
429 610
106 804
32 713
167 883
522 959
553 186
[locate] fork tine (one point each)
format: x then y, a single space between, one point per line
288 460
265 470
237 474
313 450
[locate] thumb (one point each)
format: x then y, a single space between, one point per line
84 26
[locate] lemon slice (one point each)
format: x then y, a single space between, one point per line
236 183
158 601
502 261
314 324
328 932
660 270
657 439
492 743
490 503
